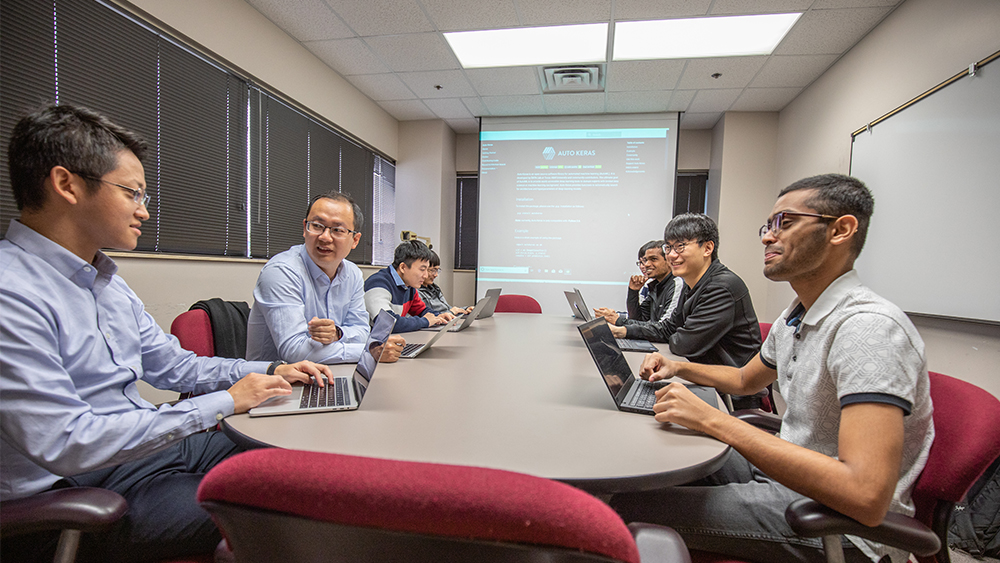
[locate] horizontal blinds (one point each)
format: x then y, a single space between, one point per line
467 223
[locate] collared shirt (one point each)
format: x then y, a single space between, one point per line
385 290
852 346
290 291
74 339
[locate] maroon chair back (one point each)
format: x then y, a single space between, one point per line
513 303
765 329
194 331
966 442
265 501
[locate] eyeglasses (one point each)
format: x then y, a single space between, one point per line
142 198
678 248
776 223
434 270
319 228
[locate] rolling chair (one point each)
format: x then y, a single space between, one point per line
966 442
513 303
347 508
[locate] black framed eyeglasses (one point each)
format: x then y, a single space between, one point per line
318 229
776 222
140 197
678 248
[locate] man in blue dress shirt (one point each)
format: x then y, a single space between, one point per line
74 339
309 300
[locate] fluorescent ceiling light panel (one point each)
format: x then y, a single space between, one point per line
701 37
521 46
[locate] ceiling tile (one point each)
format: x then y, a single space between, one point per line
765 99
724 7
380 87
637 102
659 9
785 71
449 108
382 17
407 110
829 31
417 51
681 99
583 103
627 76
713 100
305 20
827 4
452 82
699 120
560 12
514 105
475 106
449 15
737 72
347 56
463 126
504 81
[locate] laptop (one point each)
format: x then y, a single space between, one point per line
413 350
340 393
469 317
494 297
581 312
630 394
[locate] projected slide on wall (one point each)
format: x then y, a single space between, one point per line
567 203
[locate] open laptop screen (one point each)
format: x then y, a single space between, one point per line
372 353
607 356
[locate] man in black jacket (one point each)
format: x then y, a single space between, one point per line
714 323
645 316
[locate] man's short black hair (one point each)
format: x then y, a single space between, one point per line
359 218
435 259
838 195
409 252
693 226
76 138
657 244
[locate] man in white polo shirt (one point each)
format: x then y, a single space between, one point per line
852 369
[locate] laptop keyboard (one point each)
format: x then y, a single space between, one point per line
334 394
626 344
644 397
410 348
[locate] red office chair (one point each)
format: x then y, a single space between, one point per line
966 442
194 331
765 329
347 508
517 304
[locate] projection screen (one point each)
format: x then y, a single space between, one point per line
566 201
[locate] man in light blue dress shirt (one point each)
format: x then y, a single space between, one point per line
309 300
74 339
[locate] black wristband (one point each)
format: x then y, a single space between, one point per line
274 365
340 333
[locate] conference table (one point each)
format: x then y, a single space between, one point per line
514 391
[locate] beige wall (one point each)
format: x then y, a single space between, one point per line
694 149
237 32
467 153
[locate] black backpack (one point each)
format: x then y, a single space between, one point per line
976 521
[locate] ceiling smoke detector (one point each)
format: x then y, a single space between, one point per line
579 78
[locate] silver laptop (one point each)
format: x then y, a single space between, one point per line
340 393
469 317
630 394
494 297
581 312
413 350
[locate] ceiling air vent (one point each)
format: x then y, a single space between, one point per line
564 79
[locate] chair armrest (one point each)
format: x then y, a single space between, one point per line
78 508
763 420
659 544
811 519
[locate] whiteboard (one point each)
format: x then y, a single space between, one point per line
934 168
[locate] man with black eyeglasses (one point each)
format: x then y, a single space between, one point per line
75 340
309 300
858 425
664 291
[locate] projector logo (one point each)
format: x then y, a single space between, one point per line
549 153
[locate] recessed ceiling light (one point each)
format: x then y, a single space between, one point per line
701 37
521 46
